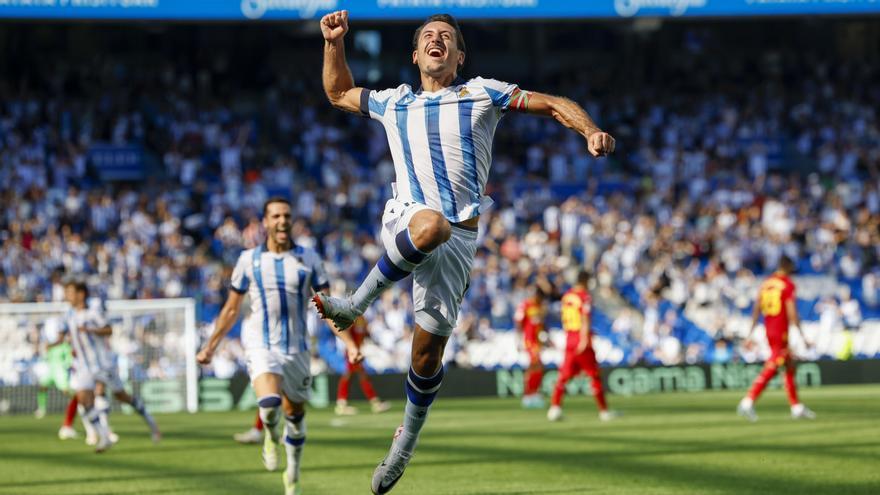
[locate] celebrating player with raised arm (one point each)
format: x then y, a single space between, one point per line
776 302
279 278
440 138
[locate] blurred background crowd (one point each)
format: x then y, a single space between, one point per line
146 168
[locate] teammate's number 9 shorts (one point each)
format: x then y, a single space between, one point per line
293 368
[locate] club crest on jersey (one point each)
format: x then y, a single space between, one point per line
464 93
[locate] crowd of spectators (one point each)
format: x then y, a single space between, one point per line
709 187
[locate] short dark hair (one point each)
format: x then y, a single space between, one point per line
786 264
79 286
583 277
448 19
274 199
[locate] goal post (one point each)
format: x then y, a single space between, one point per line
155 341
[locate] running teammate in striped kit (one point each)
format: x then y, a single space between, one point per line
279 277
85 327
108 377
440 138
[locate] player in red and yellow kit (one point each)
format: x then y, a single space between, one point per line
530 321
579 355
776 303
359 333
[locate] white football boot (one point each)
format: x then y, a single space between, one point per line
270 451
291 487
390 470
379 406
746 409
343 409
103 443
251 436
608 415
339 311
800 411
554 413
67 433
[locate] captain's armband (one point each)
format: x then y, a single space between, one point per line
519 100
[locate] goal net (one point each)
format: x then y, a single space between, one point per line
155 341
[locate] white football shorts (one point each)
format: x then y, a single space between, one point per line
294 369
110 379
81 378
440 282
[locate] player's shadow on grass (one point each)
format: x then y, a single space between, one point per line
556 491
209 479
638 446
125 450
653 465
139 492
641 447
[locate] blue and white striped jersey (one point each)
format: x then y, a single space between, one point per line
441 142
90 351
280 286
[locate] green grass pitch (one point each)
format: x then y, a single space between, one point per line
664 444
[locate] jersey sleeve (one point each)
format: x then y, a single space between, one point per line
520 314
500 92
374 103
319 273
239 282
99 318
586 305
788 292
64 326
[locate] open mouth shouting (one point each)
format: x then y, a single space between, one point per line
436 50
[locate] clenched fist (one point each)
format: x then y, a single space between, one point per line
600 144
334 25
204 356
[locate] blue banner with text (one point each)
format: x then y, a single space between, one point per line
232 10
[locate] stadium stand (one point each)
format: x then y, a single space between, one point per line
150 180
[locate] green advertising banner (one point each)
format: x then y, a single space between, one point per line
217 394
639 381
236 393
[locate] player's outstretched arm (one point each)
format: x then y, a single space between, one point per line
338 81
568 113
63 336
584 337
351 349
518 327
103 331
794 319
756 315
227 317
